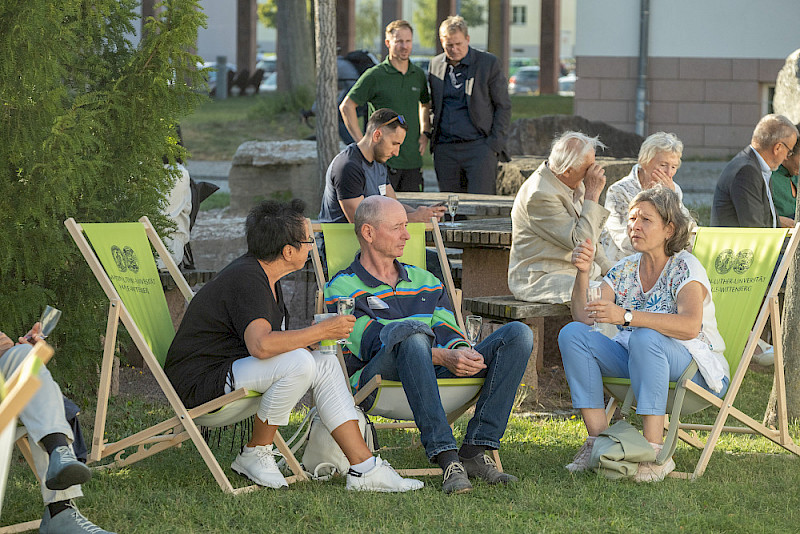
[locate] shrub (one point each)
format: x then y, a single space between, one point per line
86 118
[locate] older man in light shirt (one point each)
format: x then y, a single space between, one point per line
555 210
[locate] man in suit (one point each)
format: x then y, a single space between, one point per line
555 210
471 113
742 196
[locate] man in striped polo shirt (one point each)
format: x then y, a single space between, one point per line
405 330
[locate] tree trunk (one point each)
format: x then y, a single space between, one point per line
327 125
294 49
791 347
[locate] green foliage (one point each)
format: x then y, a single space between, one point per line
368 25
267 13
424 19
86 118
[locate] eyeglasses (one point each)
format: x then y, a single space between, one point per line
399 118
309 241
789 152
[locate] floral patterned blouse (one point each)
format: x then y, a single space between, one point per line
681 268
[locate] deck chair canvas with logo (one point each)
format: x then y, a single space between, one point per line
457 394
122 261
739 263
15 392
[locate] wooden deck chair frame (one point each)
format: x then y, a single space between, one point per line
686 397
377 383
184 425
20 387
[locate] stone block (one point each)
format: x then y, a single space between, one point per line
705 113
727 136
705 69
734 92
744 69
677 91
768 69
745 114
662 68
658 112
587 88
787 88
604 67
618 89
689 134
279 170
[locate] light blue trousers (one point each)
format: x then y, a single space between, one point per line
651 362
43 415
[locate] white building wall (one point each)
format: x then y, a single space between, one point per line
219 38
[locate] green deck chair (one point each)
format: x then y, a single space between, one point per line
457 394
14 395
739 263
122 261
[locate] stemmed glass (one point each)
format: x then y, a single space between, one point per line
594 292
473 327
452 206
345 306
47 321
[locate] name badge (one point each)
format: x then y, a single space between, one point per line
382 189
376 304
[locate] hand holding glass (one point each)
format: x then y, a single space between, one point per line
47 322
345 306
593 293
473 326
452 206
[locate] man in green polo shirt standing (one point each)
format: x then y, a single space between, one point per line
399 85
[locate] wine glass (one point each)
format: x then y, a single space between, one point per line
594 292
473 326
47 322
345 306
452 206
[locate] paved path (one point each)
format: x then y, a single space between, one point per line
696 178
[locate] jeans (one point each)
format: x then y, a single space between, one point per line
651 362
505 352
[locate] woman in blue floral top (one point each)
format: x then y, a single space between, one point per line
660 300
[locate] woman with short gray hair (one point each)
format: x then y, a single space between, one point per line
660 301
659 160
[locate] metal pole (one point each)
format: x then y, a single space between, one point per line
641 87
222 78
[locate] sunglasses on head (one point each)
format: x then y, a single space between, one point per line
399 118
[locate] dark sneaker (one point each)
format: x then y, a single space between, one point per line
70 521
483 467
455 479
64 469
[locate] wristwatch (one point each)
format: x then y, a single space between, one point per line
628 318
428 134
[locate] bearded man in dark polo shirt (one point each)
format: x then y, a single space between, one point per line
400 85
359 171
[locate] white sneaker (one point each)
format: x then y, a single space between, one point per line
767 355
259 466
653 472
381 478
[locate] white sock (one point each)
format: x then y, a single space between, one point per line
364 466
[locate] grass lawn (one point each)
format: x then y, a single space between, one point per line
750 486
218 127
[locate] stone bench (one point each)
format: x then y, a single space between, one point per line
503 309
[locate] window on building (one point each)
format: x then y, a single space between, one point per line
767 94
519 15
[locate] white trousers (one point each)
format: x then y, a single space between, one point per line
284 379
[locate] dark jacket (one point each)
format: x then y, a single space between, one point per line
740 198
487 98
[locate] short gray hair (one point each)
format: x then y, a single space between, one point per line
668 206
370 212
656 144
570 150
452 24
770 130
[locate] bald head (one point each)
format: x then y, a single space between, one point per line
373 211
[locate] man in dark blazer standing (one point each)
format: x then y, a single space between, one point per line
471 113
742 196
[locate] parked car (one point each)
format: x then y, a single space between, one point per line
515 63
422 62
270 82
525 81
269 64
211 72
566 85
